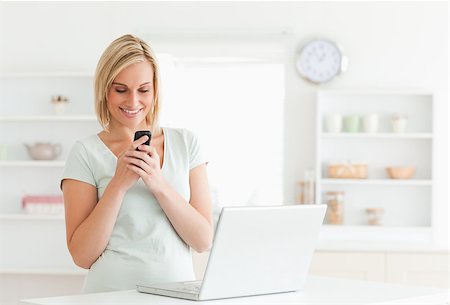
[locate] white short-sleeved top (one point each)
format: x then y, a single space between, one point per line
143 247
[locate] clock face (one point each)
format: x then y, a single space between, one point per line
320 60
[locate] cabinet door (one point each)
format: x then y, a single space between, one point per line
352 265
418 269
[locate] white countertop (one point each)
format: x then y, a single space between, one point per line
318 290
379 246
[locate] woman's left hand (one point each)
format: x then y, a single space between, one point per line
146 163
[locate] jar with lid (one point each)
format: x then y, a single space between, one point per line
374 216
300 192
335 211
305 189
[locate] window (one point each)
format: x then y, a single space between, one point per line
235 106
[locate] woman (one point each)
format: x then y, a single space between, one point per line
133 211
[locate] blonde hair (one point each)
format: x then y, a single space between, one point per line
122 52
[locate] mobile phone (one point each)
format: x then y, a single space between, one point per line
140 133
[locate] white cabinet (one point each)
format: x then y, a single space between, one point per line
409 268
407 203
418 269
353 265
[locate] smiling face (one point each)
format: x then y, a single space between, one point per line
131 96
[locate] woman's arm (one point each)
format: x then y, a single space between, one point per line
89 223
193 220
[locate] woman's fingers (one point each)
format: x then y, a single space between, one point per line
142 159
144 165
139 142
153 153
136 169
138 154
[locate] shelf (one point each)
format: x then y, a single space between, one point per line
32 163
375 92
393 182
22 216
384 135
378 233
425 246
48 118
45 74
43 271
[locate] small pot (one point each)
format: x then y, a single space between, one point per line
43 151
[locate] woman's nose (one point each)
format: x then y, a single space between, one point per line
133 98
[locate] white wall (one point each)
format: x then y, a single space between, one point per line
390 45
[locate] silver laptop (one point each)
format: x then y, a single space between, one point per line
256 250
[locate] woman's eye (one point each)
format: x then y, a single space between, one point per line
120 90
144 90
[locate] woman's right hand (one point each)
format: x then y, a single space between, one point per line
125 178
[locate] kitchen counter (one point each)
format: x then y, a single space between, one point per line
318 290
379 246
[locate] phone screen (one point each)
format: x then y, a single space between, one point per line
140 133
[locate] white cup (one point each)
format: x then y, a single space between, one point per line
399 123
333 122
370 123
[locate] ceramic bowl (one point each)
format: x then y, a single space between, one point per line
401 172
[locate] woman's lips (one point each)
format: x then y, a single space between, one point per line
131 113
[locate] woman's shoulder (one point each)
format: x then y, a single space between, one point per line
86 143
182 134
185 140
89 139
182 139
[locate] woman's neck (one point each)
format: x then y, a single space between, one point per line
118 133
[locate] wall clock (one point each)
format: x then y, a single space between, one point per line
320 60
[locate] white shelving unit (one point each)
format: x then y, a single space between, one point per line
27 116
407 204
